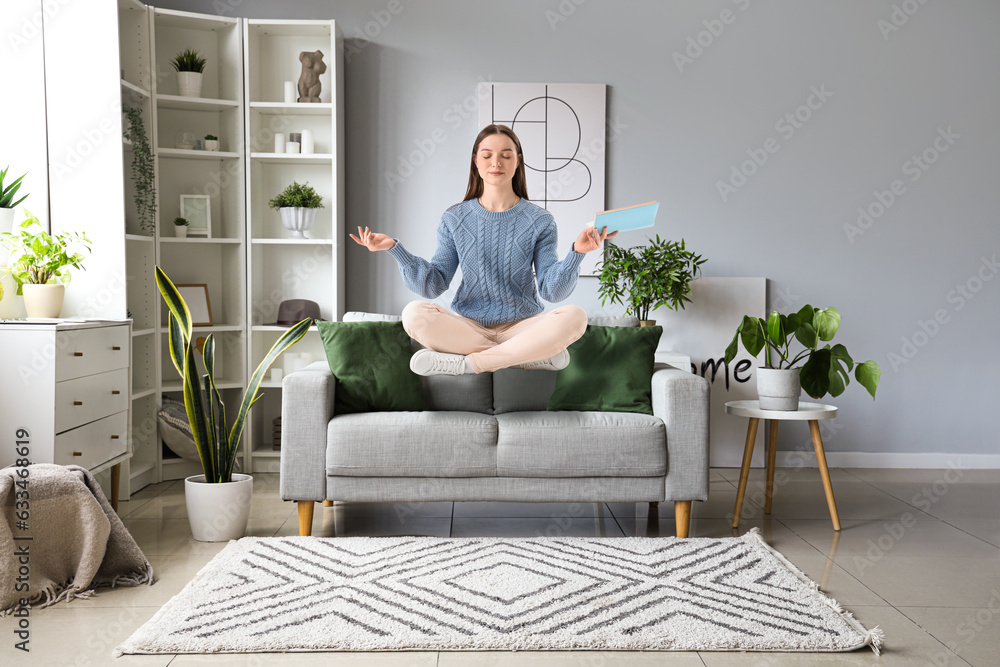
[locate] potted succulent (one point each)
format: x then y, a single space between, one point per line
218 501
645 278
211 142
181 227
297 205
189 66
40 264
818 370
7 202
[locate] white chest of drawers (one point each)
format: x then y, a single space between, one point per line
68 385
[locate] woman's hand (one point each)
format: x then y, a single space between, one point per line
373 240
591 239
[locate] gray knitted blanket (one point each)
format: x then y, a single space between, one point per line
59 530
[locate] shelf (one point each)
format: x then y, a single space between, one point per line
133 93
143 332
189 239
291 27
127 145
189 154
292 108
293 158
215 328
292 241
143 393
171 18
224 384
141 238
136 468
277 328
194 103
269 452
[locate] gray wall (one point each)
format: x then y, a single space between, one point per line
684 129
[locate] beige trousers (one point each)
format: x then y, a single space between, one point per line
489 348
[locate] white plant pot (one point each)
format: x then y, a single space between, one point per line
297 220
6 224
218 512
779 389
211 144
189 84
43 300
180 231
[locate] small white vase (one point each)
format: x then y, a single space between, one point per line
189 84
779 388
297 220
218 512
6 224
211 144
180 231
43 300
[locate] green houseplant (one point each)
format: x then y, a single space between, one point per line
181 227
143 169
645 278
297 205
818 370
7 204
40 264
211 142
189 66
214 439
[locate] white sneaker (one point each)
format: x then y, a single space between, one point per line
554 363
429 362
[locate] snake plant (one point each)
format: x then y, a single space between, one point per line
206 411
7 192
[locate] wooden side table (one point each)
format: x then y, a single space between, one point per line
809 412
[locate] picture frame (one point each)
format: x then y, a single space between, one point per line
197 210
196 297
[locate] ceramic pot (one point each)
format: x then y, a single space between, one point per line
211 144
296 220
43 300
10 303
180 231
779 389
6 224
218 512
189 84
647 323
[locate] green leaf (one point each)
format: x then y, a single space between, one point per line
815 374
827 322
775 332
175 303
733 348
177 344
204 439
806 335
752 335
868 375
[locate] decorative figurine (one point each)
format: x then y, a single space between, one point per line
312 67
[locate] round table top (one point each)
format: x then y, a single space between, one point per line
806 411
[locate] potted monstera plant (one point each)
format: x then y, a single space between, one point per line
40 264
644 278
218 501
818 370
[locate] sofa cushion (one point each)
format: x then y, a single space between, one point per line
371 361
412 444
516 390
580 444
610 369
467 393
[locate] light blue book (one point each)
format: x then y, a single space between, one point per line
628 218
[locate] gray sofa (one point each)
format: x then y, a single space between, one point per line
489 437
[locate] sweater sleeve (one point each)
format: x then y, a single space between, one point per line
428 279
556 280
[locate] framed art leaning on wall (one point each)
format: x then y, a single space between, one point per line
197 210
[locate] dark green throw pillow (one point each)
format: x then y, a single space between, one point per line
610 370
371 361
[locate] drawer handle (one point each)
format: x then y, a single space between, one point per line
115 392
78 354
116 348
77 453
114 437
77 402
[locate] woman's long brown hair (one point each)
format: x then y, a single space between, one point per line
520 184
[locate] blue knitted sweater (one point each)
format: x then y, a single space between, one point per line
496 252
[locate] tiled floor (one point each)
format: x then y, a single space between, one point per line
919 555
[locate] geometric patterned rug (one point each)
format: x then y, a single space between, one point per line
453 594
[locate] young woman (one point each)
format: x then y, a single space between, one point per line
496 235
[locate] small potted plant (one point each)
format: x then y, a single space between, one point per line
181 227
211 142
7 203
218 501
189 66
645 278
40 264
818 370
297 205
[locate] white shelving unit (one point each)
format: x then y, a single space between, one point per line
248 263
283 268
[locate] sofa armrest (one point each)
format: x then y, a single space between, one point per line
681 400
306 411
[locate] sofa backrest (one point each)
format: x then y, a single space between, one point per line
506 390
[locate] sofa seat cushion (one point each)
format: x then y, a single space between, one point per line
412 444
580 444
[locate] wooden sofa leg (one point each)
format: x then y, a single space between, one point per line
306 517
327 503
682 517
